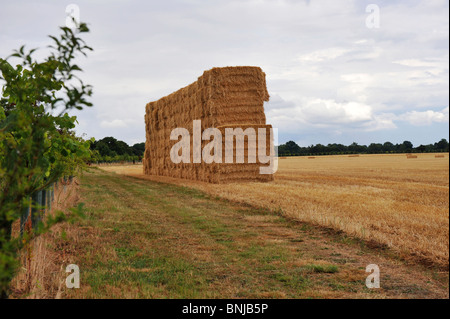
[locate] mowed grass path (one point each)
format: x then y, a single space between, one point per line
143 239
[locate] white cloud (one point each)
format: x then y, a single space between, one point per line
328 115
380 122
419 63
422 118
322 55
113 123
331 112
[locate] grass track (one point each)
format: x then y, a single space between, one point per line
144 239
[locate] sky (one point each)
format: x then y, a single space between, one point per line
337 71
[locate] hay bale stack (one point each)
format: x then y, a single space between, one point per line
411 156
439 156
220 98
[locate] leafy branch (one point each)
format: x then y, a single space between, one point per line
38 147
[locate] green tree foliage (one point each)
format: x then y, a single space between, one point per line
375 148
138 149
388 147
37 144
109 149
442 145
406 147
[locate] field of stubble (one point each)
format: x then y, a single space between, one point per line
390 200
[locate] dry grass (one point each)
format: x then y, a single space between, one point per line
386 199
43 260
143 239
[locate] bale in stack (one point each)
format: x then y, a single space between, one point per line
222 98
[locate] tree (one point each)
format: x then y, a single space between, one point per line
318 149
290 148
138 149
442 145
375 148
406 147
37 145
388 147
421 149
355 148
117 150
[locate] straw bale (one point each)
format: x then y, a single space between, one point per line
221 98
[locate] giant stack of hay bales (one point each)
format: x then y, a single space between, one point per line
220 98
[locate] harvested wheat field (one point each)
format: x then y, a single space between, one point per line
388 200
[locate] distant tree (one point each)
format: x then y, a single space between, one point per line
375 148
356 148
421 149
429 148
388 147
336 148
116 146
406 147
319 148
281 150
110 149
442 146
102 148
292 148
138 149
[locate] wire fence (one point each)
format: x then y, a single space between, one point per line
40 203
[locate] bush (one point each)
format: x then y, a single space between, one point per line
37 145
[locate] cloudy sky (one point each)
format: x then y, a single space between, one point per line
333 74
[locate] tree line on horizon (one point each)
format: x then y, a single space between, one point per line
293 149
110 150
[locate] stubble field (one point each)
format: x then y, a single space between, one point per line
387 200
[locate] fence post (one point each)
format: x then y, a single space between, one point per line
35 202
43 203
53 191
25 215
49 198
38 208
65 182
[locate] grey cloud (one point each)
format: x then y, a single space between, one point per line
362 80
